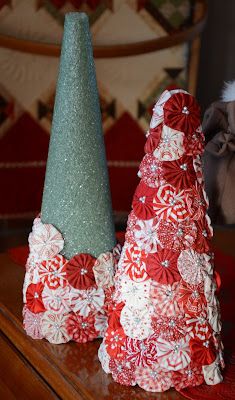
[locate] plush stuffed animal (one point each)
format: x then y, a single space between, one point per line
219 157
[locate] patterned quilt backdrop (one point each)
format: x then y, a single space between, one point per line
128 88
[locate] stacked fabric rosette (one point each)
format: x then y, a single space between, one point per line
164 323
65 299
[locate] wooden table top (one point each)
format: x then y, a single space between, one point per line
71 370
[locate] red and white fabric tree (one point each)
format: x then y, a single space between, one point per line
164 322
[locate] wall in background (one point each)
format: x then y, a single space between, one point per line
217 61
128 88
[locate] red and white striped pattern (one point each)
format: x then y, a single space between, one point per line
170 204
173 355
134 264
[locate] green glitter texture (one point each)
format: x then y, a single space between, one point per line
76 198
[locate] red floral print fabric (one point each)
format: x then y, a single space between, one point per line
122 372
192 297
177 236
190 376
169 328
150 171
81 329
194 144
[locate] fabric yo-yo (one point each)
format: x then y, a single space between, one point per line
73 253
164 324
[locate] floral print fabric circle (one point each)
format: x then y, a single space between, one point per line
177 236
104 270
136 322
32 324
150 171
192 266
81 329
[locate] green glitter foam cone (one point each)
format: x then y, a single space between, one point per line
76 198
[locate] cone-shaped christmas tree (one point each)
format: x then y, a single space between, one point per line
164 323
70 267
76 197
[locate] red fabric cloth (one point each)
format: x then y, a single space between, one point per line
23 159
223 391
153 139
162 266
34 297
181 112
143 201
79 271
180 173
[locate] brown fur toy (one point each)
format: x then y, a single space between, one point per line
219 157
